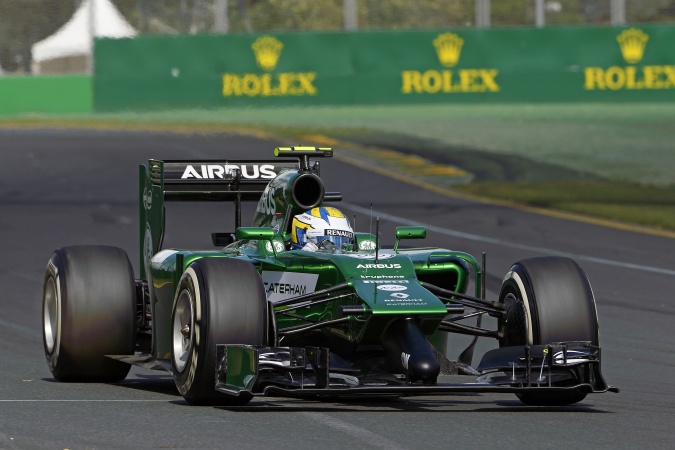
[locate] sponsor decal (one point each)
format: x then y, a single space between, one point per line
371 255
278 246
392 287
448 48
148 250
147 198
223 171
284 285
267 51
632 44
400 295
445 82
384 281
374 277
267 205
405 301
269 85
367 245
378 266
404 360
341 233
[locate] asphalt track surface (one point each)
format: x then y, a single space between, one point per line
60 188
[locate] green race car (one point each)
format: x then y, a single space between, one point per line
300 305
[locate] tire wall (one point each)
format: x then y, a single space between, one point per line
584 64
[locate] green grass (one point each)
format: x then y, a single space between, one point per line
623 202
626 141
614 160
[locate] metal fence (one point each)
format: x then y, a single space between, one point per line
26 22
240 16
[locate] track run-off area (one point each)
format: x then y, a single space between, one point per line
66 187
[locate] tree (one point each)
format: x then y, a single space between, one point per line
25 22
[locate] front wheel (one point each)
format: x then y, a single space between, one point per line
548 299
218 301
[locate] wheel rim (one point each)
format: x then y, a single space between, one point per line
50 312
516 332
514 291
183 324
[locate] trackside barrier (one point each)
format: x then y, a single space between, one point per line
48 94
632 63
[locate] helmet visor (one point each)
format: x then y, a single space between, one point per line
338 241
337 237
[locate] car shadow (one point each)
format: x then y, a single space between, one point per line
464 403
459 403
160 384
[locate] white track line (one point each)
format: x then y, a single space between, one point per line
6 324
78 401
489 240
367 436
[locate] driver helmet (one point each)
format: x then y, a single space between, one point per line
318 225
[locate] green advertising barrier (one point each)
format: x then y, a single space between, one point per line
46 94
212 71
531 65
502 65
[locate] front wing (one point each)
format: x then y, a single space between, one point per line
307 372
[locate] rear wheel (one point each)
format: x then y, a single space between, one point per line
218 301
88 311
548 299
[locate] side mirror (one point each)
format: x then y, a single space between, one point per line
255 233
409 233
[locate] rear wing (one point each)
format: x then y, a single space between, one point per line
212 180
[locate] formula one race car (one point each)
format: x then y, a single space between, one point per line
300 305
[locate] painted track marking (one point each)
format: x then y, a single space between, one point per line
531 209
489 240
367 436
79 401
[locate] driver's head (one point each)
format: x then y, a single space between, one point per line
320 226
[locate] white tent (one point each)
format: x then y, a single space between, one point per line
68 49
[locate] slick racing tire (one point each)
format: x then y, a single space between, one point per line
88 311
218 301
548 299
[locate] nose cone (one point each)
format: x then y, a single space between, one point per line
409 352
424 368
